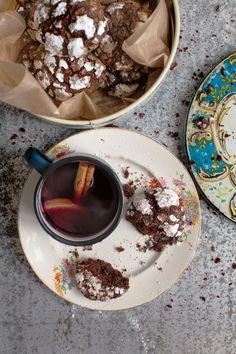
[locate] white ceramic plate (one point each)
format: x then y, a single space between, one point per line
150 273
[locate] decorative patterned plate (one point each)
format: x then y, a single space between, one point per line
150 273
211 137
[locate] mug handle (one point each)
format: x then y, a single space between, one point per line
37 160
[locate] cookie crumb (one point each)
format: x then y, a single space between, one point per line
119 249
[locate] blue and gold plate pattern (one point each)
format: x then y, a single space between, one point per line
211 137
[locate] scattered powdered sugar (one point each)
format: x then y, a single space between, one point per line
41 14
76 48
142 204
60 9
123 90
50 62
53 43
79 83
83 23
43 79
63 64
102 26
60 76
170 230
166 197
173 218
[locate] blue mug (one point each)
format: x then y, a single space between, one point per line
46 167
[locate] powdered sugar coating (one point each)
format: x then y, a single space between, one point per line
98 280
170 230
76 48
92 287
166 197
142 204
82 20
62 77
60 10
79 83
54 43
83 23
41 14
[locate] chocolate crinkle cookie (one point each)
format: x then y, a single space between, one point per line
98 280
62 77
76 45
157 213
125 76
71 27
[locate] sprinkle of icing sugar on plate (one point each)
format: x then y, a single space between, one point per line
63 64
79 83
102 26
166 197
83 23
170 230
41 14
60 9
142 204
53 43
76 48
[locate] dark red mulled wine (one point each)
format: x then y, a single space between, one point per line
73 212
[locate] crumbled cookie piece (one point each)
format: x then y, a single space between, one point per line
158 214
98 280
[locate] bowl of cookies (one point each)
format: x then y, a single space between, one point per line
85 63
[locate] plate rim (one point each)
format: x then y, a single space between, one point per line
185 143
175 280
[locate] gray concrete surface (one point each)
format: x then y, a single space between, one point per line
197 315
